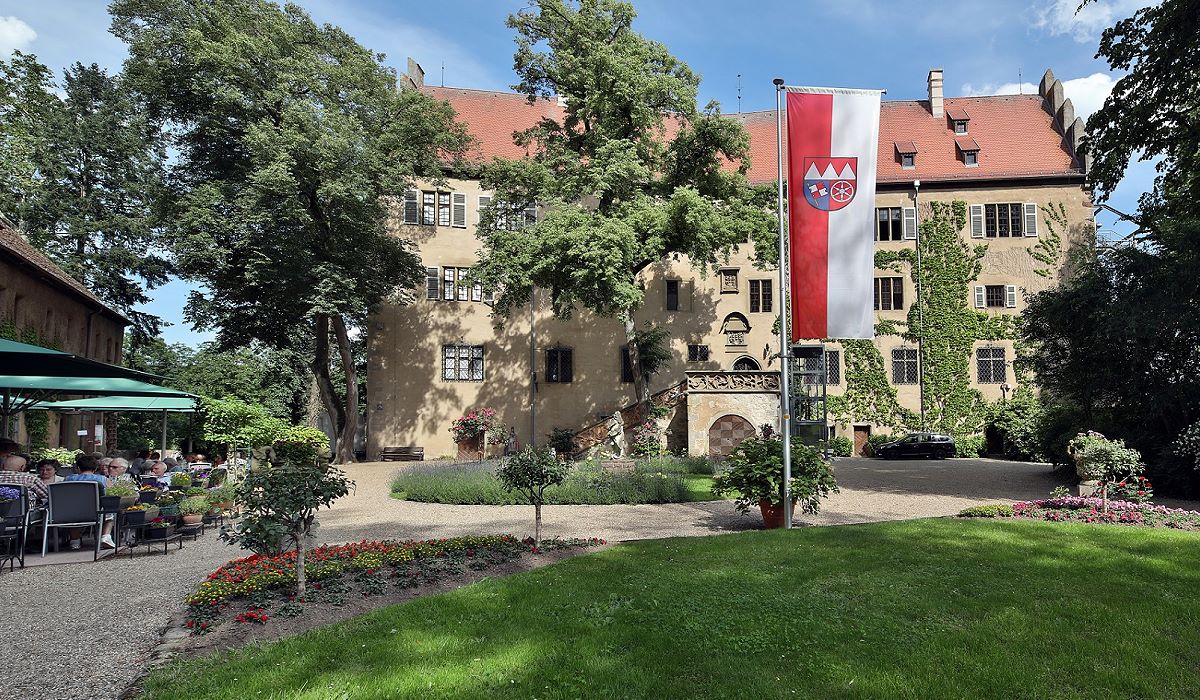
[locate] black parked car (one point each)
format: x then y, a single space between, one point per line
927 445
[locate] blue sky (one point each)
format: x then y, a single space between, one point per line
985 47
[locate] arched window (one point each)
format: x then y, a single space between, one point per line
745 364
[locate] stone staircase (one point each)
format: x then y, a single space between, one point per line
596 434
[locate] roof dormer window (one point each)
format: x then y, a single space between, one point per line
968 150
958 120
906 153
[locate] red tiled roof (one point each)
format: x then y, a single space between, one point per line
958 114
1015 131
906 147
12 244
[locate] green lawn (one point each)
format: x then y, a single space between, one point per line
920 609
659 480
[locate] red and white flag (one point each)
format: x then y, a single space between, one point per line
832 144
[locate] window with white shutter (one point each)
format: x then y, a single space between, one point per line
1010 296
976 221
460 210
910 223
980 298
412 209
431 284
1030 219
485 201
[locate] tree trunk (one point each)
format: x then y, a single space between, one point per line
641 389
320 370
299 564
345 443
537 524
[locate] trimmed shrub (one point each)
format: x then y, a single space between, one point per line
992 511
841 446
969 446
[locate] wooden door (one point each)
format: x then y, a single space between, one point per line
861 433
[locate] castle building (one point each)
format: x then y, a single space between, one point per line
1014 160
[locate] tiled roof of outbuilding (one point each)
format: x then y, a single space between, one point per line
1016 135
13 245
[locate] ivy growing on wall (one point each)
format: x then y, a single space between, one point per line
1048 249
949 326
37 423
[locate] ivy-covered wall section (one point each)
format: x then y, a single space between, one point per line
950 329
37 423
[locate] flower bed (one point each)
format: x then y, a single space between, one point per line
373 564
1091 510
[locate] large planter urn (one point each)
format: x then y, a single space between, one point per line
471 448
773 515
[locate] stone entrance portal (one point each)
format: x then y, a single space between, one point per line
727 433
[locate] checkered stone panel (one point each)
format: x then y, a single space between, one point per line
726 433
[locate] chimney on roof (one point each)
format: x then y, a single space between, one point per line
935 92
414 75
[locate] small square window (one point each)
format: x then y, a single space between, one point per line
908 160
971 158
729 281
697 353
960 126
560 365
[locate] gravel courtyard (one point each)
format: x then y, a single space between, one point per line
83 630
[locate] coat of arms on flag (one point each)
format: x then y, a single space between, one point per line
830 183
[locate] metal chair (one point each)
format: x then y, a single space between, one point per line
73 504
14 528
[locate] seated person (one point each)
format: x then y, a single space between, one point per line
47 471
174 465
139 463
14 474
87 467
118 470
159 471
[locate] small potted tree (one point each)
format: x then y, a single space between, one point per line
755 476
531 471
1105 466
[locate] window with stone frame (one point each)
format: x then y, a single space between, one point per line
889 293
462 363
697 353
889 224
991 365
904 366
760 296
560 365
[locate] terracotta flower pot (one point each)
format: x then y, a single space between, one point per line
772 514
471 448
192 518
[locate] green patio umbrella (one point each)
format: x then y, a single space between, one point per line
125 404
30 374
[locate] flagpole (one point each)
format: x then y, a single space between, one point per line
785 330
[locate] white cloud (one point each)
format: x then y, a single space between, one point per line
1087 94
15 35
1060 17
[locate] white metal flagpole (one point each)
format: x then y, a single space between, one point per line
785 330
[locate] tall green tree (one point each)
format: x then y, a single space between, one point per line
29 111
82 177
633 172
291 137
1153 111
1118 341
